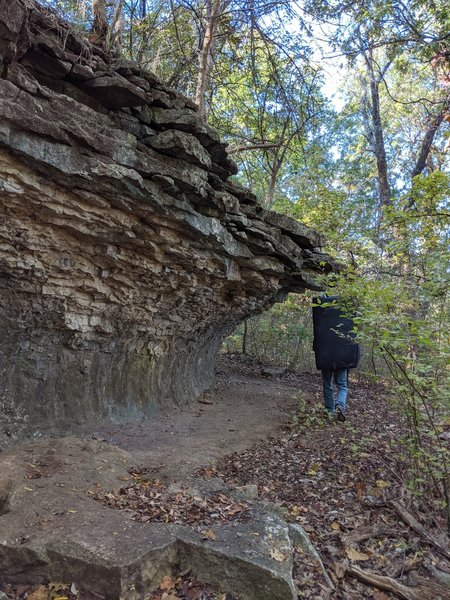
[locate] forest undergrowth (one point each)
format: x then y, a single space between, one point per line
346 484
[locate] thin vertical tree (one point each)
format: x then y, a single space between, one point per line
214 10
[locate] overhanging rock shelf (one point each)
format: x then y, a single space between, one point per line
125 253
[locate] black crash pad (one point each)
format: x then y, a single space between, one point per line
334 344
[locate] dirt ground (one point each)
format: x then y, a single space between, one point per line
344 483
244 407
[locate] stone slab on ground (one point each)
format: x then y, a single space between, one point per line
50 529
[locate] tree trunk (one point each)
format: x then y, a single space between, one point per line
375 75
143 10
206 55
81 8
117 27
434 125
100 22
244 338
272 184
384 189
380 152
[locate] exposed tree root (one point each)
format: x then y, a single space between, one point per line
418 528
427 590
366 533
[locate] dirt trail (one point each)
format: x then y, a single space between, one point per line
244 407
47 486
337 481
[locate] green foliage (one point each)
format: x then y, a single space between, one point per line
310 414
404 316
281 336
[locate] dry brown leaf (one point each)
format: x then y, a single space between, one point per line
376 595
168 583
340 568
360 490
277 555
210 534
382 484
40 594
209 472
354 554
295 511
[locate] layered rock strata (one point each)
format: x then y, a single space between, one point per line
126 255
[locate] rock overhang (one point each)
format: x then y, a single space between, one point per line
126 253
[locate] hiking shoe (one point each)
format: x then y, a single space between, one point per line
340 414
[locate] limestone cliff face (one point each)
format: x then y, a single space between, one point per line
125 253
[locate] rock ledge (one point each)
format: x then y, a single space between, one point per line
126 255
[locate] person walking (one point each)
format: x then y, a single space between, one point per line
335 404
336 352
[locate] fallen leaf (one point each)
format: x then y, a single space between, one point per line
210 534
56 586
168 583
382 484
313 470
340 568
57 591
209 472
277 555
360 490
379 595
353 554
40 594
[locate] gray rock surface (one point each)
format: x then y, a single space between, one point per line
126 255
274 372
52 530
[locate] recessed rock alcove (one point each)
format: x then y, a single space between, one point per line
126 254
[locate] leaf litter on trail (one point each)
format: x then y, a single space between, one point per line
172 587
151 501
353 554
52 591
335 480
359 474
186 587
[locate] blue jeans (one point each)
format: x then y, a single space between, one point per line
340 377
